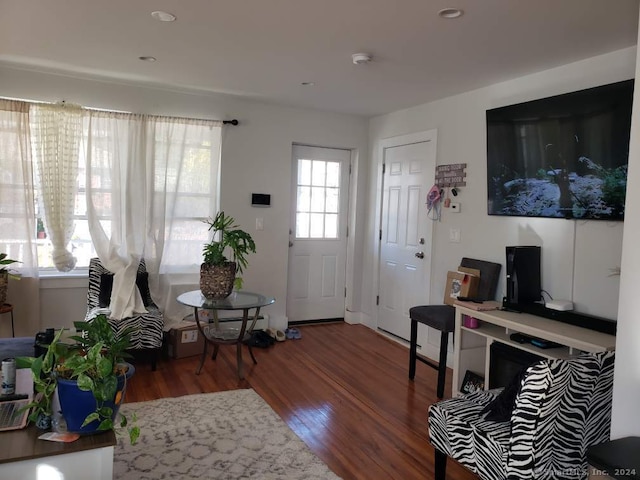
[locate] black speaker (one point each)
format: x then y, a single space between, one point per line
523 275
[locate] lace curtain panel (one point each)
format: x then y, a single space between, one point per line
56 131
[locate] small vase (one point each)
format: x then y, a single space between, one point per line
43 422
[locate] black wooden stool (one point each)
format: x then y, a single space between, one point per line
442 317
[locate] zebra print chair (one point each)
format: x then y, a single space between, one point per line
563 407
147 336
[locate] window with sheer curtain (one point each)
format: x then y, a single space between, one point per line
166 166
17 203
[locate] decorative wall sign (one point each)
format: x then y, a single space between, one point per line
452 175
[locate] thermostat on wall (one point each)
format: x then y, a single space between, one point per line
260 200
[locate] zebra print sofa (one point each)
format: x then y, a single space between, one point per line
562 408
148 326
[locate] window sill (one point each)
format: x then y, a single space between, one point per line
76 279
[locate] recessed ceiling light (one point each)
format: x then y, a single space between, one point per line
360 58
163 16
147 59
450 12
307 84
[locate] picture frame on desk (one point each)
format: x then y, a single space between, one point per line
472 382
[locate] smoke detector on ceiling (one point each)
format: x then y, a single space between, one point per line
361 58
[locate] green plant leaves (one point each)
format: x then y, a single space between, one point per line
91 364
90 418
134 434
104 366
85 382
230 236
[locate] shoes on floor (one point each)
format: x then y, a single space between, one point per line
276 334
293 334
261 339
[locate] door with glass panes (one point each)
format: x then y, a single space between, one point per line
318 234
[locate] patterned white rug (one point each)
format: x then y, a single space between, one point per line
225 435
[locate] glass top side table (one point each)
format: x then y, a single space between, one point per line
216 332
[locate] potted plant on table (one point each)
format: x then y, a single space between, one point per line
217 273
90 377
5 273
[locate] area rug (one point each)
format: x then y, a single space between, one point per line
225 435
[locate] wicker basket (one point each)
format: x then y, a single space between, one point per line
216 281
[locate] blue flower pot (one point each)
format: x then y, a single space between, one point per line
77 404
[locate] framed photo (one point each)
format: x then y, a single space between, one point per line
472 382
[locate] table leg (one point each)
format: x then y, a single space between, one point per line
204 349
253 324
202 357
255 362
245 317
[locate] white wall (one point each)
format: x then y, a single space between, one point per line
592 248
256 158
626 385
460 121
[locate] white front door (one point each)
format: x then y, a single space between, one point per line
318 235
406 229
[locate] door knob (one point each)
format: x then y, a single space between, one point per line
420 255
290 244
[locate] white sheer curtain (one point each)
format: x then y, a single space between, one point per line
17 212
56 131
150 182
187 161
117 210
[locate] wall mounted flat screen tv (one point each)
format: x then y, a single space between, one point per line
562 157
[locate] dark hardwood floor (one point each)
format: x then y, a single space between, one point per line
344 389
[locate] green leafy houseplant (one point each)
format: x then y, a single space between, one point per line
95 363
4 264
5 273
228 237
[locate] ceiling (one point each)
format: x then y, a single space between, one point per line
265 49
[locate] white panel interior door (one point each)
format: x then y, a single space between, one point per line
405 244
318 235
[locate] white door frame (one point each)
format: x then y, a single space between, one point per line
352 296
425 136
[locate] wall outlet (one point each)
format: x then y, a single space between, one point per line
455 207
189 336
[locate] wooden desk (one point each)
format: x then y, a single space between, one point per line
471 346
22 455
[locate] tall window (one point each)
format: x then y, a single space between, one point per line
175 159
318 199
17 216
